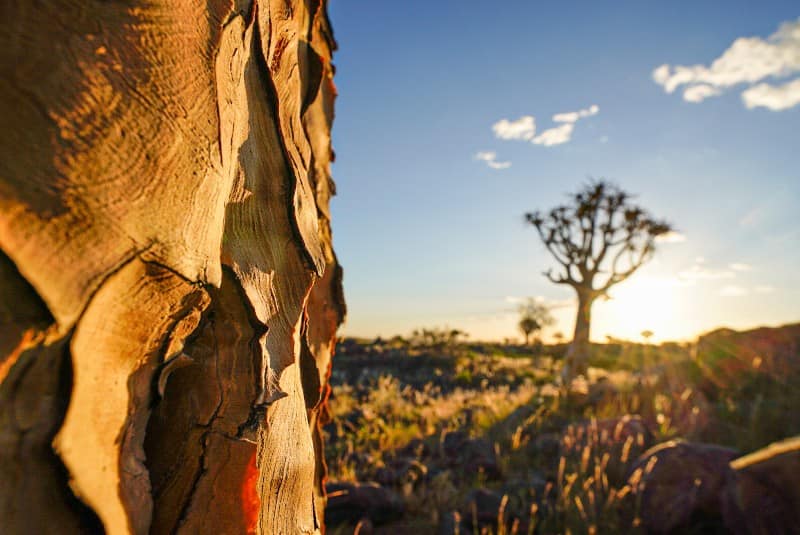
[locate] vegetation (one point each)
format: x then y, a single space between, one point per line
485 437
599 239
534 316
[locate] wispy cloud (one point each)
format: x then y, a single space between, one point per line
573 116
747 60
740 266
524 128
697 272
671 237
490 158
733 291
764 289
753 217
555 136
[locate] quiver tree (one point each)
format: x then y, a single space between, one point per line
599 239
169 295
533 317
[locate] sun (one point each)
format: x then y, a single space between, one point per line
642 303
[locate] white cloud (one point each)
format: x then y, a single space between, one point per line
733 291
764 289
490 157
748 60
573 116
698 93
522 128
671 237
775 98
739 266
555 136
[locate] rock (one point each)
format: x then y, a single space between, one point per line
351 502
451 524
364 527
545 447
624 439
403 473
479 456
678 487
600 391
473 456
416 449
482 507
763 495
452 442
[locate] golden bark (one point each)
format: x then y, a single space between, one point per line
170 294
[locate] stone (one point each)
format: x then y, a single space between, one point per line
677 487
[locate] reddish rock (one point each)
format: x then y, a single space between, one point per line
416 449
364 527
452 442
472 455
678 487
480 456
727 355
763 496
489 508
352 502
402 473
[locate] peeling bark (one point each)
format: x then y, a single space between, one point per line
170 294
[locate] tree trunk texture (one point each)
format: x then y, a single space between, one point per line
169 295
576 361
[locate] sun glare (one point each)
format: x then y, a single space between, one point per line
640 304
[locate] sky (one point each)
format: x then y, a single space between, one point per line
455 118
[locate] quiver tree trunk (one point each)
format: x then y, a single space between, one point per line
576 361
169 295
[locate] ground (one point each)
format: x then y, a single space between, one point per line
482 436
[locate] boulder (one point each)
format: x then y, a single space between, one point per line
415 449
402 473
677 487
351 502
452 442
489 508
480 456
472 455
763 496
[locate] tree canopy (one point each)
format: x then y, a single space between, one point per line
599 238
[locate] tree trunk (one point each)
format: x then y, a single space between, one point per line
169 295
576 360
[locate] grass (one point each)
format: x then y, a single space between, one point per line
564 457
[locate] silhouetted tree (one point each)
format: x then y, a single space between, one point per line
534 317
599 238
647 334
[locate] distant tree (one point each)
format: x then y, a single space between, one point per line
534 317
647 334
558 337
599 239
437 338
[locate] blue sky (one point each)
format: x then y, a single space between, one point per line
431 236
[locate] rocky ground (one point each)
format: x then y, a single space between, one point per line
458 438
